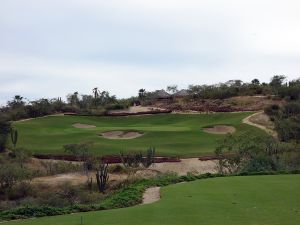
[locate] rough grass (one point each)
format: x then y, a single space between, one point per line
259 200
172 135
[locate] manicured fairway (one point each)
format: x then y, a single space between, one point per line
172 135
254 200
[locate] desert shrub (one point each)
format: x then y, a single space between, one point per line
57 167
135 159
5 128
272 111
20 190
249 153
12 174
287 120
117 106
127 196
291 160
131 159
117 169
288 129
68 192
52 199
21 156
90 198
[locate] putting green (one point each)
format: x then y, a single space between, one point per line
259 200
172 134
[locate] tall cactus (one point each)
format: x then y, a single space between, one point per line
102 176
14 137
150 157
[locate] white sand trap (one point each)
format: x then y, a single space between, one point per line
83 126
219 129
121 134
151 195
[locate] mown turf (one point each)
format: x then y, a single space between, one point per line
172 135
252 200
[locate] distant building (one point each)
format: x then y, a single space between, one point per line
181 94
162 95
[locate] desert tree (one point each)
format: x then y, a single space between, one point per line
172 89
277 82
73 99
142 93
255 82
102 176
95 92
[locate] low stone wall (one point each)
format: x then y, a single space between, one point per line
107 159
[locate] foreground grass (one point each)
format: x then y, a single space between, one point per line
259 200
172 135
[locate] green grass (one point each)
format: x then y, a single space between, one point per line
172 135
251 200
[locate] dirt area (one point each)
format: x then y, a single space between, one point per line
136 109
151 195
234 104
58 114
219 129
83 126
72 178
121 134
193 165
262 121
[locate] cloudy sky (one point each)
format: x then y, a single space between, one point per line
53 47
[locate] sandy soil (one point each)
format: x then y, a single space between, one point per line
219 129
136 109
121 134
151 195
260 120
58 114
83 126
193 165
72 178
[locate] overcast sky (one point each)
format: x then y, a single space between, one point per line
50 48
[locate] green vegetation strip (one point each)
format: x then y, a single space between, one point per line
132 195
172 135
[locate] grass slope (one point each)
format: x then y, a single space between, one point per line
259 200
172 135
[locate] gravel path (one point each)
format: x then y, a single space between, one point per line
248 121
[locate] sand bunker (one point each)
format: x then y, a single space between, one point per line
121 134
219 129
83 126
151 195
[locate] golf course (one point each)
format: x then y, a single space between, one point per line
180 135
259 200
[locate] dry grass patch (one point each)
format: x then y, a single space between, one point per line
121 134
83 126
219 129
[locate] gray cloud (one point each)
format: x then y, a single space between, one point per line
49 48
